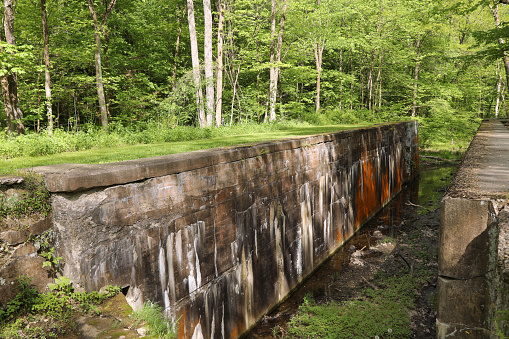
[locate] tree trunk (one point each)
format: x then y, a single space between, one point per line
371 82
196 63
219 72
272 82
416 74
379 79
98 28
318 50
340 76
209 65
351 82
275 63
9 81
47 77
494 10
499 89
177 45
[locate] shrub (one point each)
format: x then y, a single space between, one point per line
158 324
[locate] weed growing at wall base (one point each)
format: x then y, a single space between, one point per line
158 324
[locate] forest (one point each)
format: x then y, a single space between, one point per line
110 65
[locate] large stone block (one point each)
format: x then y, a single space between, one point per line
464 237
466 302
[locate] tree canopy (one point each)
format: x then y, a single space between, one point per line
313 60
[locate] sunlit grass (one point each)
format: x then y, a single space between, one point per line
130 152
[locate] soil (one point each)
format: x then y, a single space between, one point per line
402 238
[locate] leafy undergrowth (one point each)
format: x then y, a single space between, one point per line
47 315
159 326
68 314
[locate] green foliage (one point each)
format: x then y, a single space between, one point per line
446 128
158 324
501 322
23 303
44 315
379 313
51 259
370 54
34 199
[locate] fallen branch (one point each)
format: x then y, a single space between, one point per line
406 262
415 205
438 158
370 284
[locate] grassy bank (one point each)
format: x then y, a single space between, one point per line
94 147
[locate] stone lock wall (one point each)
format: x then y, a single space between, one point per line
218 237
473 262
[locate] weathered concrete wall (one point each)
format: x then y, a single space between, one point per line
218 237
474 239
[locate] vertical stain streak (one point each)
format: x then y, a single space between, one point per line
307 228
171 274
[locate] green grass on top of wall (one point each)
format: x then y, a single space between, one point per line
119 151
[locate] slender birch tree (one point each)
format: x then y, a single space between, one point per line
219 72
208 62
9 81
180 18
99 27
196 64
496 16
47 75
275 55
416 73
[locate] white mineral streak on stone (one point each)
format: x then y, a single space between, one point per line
197 332
279 232
162 277
256 242
307 226
298 261
169 260
191 278
237 275
248 282
233 249
198 271
321 193
213 325
215 250
178 249
222 324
